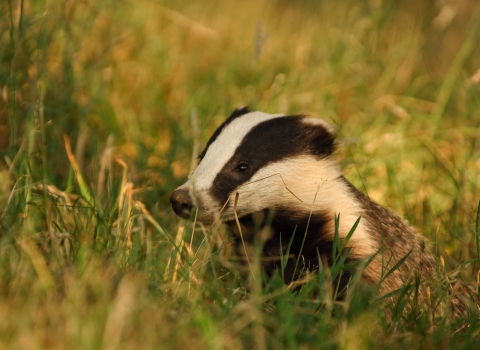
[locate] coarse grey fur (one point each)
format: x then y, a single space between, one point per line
278 176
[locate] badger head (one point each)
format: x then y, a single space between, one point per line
256 162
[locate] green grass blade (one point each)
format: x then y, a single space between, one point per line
397 265
477 231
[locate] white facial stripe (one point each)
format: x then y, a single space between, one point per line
223 148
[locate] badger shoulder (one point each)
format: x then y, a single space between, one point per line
396 240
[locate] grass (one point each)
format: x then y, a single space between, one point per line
99 107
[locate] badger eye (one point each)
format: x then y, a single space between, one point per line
242 168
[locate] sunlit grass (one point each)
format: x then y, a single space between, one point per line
98 108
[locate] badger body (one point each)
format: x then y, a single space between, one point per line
278 172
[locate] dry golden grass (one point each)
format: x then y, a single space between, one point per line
103 104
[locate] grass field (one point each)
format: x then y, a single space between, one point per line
105 104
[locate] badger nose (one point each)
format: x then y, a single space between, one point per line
181 203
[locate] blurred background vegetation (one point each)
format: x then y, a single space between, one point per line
104 103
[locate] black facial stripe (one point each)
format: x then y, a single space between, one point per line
235 114
272 141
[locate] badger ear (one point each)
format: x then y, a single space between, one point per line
239 111
320 122
321 136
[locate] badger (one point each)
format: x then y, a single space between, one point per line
279 171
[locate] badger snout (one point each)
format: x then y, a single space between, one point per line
182 203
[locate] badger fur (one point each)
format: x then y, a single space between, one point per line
279 171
